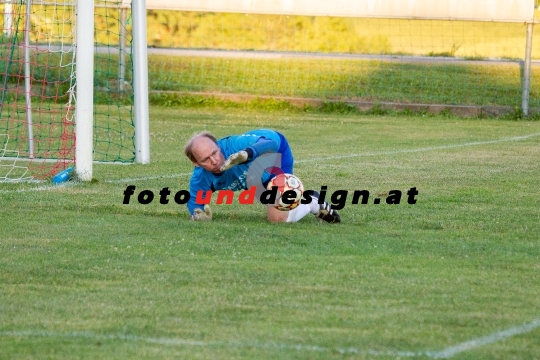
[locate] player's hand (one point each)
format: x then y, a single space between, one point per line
201 215
235 159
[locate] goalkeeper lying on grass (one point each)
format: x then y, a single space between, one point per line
224 164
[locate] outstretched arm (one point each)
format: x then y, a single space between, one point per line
262 146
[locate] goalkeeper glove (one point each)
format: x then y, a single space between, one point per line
235 159
200 215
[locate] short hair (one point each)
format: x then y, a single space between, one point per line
188 148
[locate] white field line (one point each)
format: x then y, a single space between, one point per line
407 151
74 183
65 161
393 152
148 178
485 340
443 354
21 181
41 188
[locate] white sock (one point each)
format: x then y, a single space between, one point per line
299 212
314 204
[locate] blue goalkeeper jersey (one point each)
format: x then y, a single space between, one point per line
235 178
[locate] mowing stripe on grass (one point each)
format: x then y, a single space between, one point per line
443 354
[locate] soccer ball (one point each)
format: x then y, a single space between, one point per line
287 182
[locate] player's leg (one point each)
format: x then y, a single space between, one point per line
287 163
323 212
275 215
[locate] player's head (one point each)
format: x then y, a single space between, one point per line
202 149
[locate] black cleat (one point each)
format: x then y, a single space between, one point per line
325 213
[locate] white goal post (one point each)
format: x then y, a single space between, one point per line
85 89
84 112
140 77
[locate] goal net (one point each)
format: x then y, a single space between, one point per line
412 54
38 87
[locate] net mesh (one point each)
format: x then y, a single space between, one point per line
385 60
38 89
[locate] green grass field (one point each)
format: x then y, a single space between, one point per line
451 84
83 276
